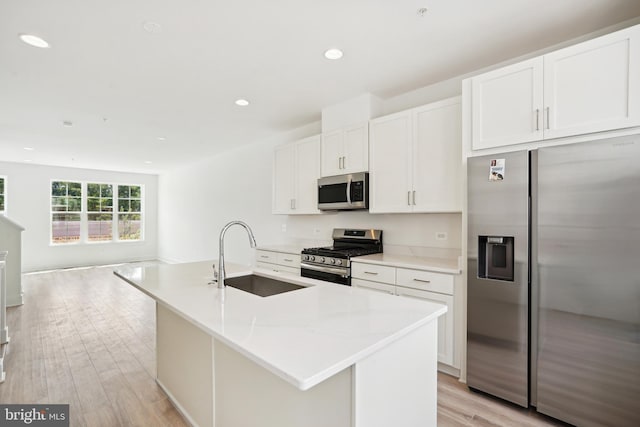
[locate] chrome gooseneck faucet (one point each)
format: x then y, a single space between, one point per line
252 242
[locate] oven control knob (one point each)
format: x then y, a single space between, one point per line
332 261
305 257
338 262
312 258
321 259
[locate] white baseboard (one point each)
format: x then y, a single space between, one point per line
177 405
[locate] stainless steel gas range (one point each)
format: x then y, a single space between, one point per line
333 263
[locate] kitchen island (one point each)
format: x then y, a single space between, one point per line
323 355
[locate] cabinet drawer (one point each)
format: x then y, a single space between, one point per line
376 273
278 268
265 256
291 260
425 280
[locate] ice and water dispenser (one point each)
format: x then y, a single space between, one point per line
495 257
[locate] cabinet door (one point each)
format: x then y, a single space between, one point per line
389 163
437 157
445 322
307 174
507 105
356 149
373 286
332 153
593 86
283 179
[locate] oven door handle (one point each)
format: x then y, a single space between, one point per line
339 271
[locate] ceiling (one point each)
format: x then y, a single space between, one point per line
123 87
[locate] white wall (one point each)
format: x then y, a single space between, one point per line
198 200
28 190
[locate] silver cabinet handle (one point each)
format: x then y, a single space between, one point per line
537 119
548 125
264 256
349 190
371 272
414 197
409 198
287 260
422 280
293 203
339 162
344 162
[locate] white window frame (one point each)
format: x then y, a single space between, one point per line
4 211
84 214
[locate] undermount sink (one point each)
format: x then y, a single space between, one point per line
261 286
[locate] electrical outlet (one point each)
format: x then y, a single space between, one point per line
441 235
284 228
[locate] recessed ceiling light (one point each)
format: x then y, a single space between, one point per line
152 27
28 160
147 162
161 138
333 54
242 102
32 40
29 148
67 124
422 11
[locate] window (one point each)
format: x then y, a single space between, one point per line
66 207
100 212
2 194
129 212
85 212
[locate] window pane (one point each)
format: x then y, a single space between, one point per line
106 205
2 186
65 228
74 204
93 190
58 204
75 189
123 205
135 206
93 204
100 227
1 203
129 227
58 188
123 191
106 190
135 191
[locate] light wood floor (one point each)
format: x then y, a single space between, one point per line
86 338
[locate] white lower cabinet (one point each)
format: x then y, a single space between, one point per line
279 262
427 285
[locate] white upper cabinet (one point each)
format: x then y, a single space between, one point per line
437 157
416 160
589 87
507 105
296 170
345 150
593 86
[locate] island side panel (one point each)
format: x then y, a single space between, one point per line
185 366
397 386
249 395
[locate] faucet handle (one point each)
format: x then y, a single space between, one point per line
215 276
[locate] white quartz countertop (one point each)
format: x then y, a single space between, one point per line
287 249
440 265
303 336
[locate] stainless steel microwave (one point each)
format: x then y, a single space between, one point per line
344 192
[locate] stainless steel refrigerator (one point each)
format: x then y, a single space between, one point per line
553 286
